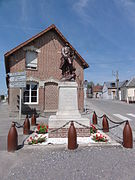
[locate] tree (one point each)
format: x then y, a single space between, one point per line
2 97
90 84
98 84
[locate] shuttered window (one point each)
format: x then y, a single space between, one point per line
31 60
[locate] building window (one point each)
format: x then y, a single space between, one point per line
30 93
113 84
31 59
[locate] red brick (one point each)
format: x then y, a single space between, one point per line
63 133
50 45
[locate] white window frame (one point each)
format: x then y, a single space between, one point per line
30 83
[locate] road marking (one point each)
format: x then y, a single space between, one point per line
122 117
133 115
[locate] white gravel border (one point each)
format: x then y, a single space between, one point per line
80 141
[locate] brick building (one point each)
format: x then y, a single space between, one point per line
40 58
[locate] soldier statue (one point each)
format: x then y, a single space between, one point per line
66 65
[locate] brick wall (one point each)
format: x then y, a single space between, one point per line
51 97
49 56
63 133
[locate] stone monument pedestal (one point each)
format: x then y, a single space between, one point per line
67 111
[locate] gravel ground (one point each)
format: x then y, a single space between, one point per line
84 163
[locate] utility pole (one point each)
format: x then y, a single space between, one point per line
116 74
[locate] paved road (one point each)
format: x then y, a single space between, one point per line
117 111
5 123
58 163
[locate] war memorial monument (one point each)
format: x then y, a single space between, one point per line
68 98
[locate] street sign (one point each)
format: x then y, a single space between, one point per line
17 84
17 74
17 79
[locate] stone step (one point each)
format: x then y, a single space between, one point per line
47 114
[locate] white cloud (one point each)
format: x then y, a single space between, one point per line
83 9
81 5
127 2
24 15
127 8
27 13
80 8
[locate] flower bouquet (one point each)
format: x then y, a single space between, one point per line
93 129
42 129
99 138
36 139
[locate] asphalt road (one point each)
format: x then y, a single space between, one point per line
117 111
112 107
5 124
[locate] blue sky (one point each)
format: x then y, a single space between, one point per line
102 31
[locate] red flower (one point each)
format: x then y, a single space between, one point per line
100 136
38 127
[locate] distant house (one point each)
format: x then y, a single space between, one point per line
109 90
40 58
97 91
128 91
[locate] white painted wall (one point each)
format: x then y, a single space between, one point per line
105 92
120 95
108 93
131 94
127 94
